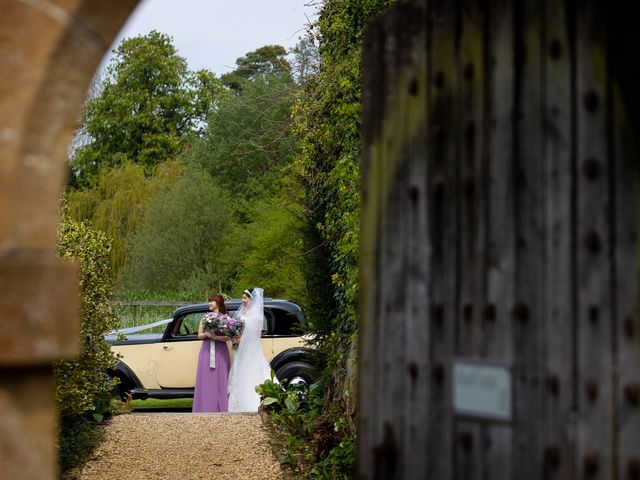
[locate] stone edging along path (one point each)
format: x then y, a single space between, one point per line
184 446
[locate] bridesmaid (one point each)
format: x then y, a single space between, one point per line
210 394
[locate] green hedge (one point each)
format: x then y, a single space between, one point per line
82 388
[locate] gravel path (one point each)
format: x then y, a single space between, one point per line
184 446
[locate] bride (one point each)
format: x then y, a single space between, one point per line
250 368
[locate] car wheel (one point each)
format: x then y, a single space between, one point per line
296 373
122 389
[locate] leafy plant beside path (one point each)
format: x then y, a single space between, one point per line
82 389
311 443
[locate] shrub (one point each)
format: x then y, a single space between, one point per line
82 388
314 444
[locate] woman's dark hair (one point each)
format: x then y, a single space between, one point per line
219 299
249 292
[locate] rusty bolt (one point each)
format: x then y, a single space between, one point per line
413 193
591 464
629 327
437 132
592 242
490 312
591 168
437 372
466 440
590 101
437 313
438 79
555 49
467 71
467 312
632 392
633 468
469 187
552 456
412 368
591 388
438 189
594 314
470 130
413 87
521 312
553 384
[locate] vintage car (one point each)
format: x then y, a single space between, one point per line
163 365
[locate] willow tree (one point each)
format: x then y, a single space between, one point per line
117 202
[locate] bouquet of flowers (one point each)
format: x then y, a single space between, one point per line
232 327
213 322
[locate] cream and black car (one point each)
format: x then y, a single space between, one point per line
163 365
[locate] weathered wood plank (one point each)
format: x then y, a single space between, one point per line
593 250
442 448
412 186
626 216
374 96
500 249
528 311
396 331
373 108
469 86
557 431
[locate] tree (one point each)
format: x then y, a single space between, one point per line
178 244
145 110
249 140
306 60
116 204
267 252
207 91
267 60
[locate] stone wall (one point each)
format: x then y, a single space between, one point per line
49 51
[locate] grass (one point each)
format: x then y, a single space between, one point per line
157 403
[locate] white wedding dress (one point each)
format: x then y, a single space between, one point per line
250 367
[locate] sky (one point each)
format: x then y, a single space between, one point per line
212 34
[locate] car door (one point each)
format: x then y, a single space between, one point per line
286 332
267 340
178 354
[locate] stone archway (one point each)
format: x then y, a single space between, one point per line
49 51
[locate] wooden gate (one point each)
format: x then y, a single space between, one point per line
499 231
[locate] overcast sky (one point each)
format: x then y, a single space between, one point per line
211 34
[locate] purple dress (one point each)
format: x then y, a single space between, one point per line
210 394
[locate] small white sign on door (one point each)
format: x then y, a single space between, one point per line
482 389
